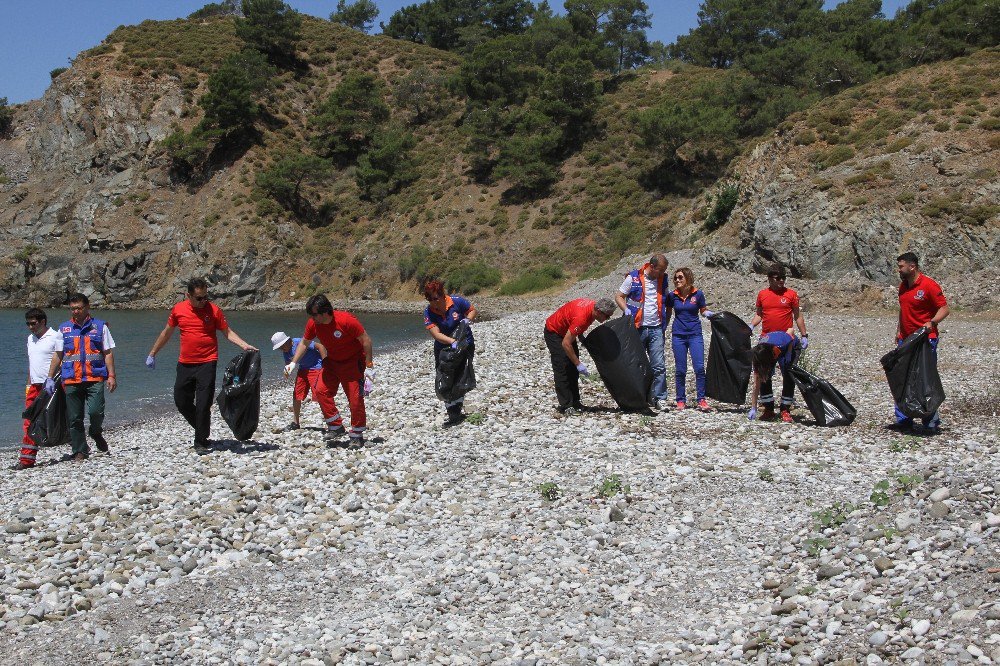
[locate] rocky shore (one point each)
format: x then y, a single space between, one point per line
525 537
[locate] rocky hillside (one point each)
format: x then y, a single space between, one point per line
90 201
905 163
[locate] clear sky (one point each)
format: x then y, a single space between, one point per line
37 36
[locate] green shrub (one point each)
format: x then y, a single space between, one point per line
472 278
422 264
537 279
723 205
834 156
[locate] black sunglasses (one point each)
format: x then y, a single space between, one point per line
31 322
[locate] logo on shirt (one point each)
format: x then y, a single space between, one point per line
919 295
784 301
454 315
66 329
337 334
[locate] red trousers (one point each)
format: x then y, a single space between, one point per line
29 450
350 375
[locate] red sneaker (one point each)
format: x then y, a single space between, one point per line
681 405
786 416
703 405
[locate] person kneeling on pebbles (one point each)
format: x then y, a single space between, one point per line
779 347
308 375
562 329
348 362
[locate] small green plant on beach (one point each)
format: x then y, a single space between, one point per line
816 545
764 474
905 443
880 493
612 485
475 418
834 515
550 490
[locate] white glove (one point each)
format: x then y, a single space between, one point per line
582 369
370 374
804 343
291 369
368 387
707 314
467 321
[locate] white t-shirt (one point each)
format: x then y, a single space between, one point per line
108 341
650 313
40 351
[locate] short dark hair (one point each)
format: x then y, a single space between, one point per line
196 283
36 313
909 258
776 269
433 287
319 304
78 298
657 259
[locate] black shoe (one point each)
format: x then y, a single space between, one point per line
900 426
79 457
290 427
18 466
580 407
455 416
201 448
356 442
334 433
102 444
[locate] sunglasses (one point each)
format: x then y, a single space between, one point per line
678 277
431 299
199 299
31 322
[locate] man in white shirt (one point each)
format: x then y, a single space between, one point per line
42 344
642 296
87 360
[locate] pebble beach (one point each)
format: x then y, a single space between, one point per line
523 536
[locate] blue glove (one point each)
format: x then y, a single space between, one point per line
454 345
151 362
467 321
804 343
752 416
707 314
582 369
50 386
368 387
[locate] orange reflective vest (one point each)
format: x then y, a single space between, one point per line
83 352
636 296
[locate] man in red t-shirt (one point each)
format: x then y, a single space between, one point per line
921 303
562 329
194 387
777 309
348 363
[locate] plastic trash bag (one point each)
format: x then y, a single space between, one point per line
911 370
239 398
455 375
827 405
728 373
621 361
49 421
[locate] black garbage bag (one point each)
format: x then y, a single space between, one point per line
827 405
49 422
239 399
621 361
728 373
911 370
455 375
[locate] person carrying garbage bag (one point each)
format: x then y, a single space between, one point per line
562 329
922 304
443 319
348 363
779 348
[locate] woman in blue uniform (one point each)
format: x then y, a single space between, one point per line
688 303
442 317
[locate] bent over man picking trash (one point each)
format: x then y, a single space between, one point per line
348 363
562 329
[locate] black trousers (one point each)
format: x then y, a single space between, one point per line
787 388
194 390
567 377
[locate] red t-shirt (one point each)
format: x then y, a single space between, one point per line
198 327
917 304
776 308
575 316
340 337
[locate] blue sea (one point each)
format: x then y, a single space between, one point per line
142 392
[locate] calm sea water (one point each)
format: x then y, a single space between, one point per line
142 392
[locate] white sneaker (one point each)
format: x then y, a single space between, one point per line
662 405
